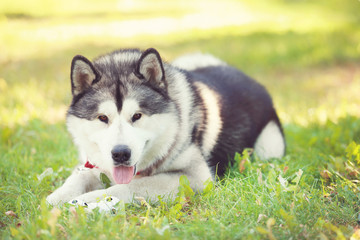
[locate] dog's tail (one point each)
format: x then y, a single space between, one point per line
193 61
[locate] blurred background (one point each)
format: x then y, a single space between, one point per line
307 53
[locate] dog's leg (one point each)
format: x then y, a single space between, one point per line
79 182
166 183
146 187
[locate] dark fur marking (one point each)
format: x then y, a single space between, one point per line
152 101
246 108
158 90
84 105
112 71
200 127
118 97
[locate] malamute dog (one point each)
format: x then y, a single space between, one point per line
144 123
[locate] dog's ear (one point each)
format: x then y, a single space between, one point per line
83 74
151 69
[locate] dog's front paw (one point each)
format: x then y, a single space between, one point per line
91 197
61 196
55 199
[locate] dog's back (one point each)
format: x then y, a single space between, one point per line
245 110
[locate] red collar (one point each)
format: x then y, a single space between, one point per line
89 165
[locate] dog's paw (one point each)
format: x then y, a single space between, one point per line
55 199
60 196
91 197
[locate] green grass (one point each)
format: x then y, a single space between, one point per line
306 53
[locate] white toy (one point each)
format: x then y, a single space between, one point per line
105 205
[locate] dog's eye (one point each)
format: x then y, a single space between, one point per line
103 118
136 117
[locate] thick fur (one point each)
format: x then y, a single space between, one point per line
194 115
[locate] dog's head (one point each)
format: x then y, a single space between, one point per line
121 116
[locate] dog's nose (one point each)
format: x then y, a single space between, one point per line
121 154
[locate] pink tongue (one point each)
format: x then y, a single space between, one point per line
123 175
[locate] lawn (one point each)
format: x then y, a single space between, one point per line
306 53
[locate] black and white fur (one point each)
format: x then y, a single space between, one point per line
165 120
